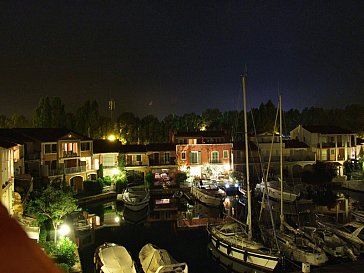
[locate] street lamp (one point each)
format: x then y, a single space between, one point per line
64 230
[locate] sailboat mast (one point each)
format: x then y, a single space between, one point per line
249 215
281 160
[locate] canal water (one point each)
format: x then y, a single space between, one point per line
185 245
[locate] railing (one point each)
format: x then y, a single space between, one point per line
55 172
78 169
69 154
215 161
153 162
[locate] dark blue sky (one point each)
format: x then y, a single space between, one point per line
166 56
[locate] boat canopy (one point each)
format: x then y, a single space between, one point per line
116 259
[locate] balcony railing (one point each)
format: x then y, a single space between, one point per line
78 169
154 162
69 154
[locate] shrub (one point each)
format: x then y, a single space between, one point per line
107 181
180 178
64 267
65 252
93 187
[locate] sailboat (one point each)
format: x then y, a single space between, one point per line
292 242
235 243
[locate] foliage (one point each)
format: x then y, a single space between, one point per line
321 173
135 177
93 187
120 184
64 267
65 252
149 180
180 178
53 203
107 180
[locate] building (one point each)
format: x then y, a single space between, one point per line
204 154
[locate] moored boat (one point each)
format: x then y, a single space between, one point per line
136 199
113 258
211 195
156 260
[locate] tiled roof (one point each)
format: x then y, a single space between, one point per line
106 146
47 134
133 148
161 147
326 130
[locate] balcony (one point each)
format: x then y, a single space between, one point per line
215 161
160 162
78 169
69 154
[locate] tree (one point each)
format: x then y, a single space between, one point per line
53 203
58 118
42 115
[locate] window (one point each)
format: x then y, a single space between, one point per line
214 157
138 157
50 148
85 146
194 157
166 157
183 155
226 154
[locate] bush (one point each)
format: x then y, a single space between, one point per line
65 252
180 178
107 181
64 267
149 180
93 187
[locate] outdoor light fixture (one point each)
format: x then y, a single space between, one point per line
64 229
111 138
117 219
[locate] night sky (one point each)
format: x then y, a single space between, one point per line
165 56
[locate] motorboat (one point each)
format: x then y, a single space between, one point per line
156 260
136 199
113 258
210 195
290 194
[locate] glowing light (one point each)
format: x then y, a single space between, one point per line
117 219
64 229
203 128
227 186
111 138
116 171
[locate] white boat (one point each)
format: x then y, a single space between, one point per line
290 194
352 232
157 260
231 240
211 195
136 199
113 258
234 242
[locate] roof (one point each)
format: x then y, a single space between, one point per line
133 148
293 143
106 146
161 147
11 135
48 134
241 146
332 130
201 134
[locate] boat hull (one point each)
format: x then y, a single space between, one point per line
208 197
244 256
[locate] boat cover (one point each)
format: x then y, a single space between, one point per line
152 257
116 259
